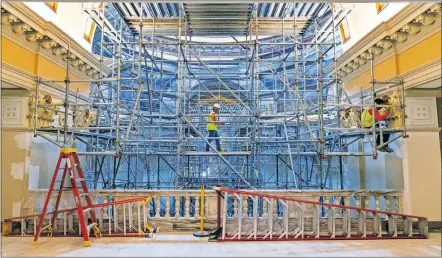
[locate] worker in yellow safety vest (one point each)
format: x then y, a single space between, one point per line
367 122
212 127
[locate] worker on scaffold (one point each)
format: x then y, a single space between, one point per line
367 122
212 127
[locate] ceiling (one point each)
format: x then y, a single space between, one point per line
219 19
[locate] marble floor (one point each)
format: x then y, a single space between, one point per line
185 245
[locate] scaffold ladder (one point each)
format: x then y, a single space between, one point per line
75 172
309 220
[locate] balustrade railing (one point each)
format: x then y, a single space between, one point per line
176 210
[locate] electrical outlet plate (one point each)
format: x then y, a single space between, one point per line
13 111
421 112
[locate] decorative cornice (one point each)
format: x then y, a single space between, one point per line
34 48
395 49
386 36
24 21
23 79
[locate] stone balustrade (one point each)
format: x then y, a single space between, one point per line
176 210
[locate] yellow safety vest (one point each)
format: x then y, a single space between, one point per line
212 118
366 118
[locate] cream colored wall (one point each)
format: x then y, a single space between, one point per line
69 17
15 149
363 18
422 175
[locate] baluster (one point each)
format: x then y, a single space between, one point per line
264 208
187 207
398 203
235 204
157 207
377 218
366 202
167 215
245 207
197 207
177 206
275 207
387 203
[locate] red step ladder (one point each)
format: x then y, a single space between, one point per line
75 172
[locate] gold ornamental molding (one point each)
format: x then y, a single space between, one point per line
26 24
388 37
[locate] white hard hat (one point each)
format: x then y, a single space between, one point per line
216 105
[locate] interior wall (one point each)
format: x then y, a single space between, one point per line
16 157
35 64
69 17
422 175
364 18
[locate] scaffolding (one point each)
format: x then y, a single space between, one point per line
281 110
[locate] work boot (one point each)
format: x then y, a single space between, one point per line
382 149
387 149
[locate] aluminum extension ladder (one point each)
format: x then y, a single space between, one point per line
301 220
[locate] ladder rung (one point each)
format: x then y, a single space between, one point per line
87 209
45 227
50 211
91 226
84 194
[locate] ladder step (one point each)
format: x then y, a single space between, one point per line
83 194
87 210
